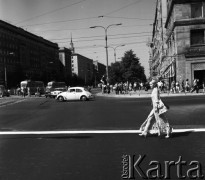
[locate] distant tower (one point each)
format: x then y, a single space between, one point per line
72 46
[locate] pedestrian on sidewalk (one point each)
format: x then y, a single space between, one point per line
177 87
195 86
104 83
183 86
24 92
173 87
108 88
135 86
156 119
187 86
18 91
29 91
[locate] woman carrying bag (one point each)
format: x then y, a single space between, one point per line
156 120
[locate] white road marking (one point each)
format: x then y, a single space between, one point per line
90 132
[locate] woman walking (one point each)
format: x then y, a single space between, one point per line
156 120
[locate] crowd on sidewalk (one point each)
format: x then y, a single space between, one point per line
174 87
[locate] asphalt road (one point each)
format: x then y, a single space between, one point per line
95 156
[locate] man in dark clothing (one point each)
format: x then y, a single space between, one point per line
104 83
196 86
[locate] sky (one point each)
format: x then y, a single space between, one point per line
58 20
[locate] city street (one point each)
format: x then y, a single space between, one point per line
95 155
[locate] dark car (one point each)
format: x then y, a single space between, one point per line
53 94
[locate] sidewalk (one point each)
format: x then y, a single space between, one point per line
146 94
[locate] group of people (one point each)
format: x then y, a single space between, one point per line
23 91
121 87
176 87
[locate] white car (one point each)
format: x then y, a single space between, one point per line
75 93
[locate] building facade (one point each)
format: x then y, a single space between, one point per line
183 53
65 58
157 44
186 39
24 55
98 72
83 68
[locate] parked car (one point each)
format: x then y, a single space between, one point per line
4 91
54 93
75 93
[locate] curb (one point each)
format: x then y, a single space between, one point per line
147 95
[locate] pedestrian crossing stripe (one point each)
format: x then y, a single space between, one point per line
90 132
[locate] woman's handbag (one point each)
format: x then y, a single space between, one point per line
161 107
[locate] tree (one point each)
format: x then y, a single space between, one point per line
129 69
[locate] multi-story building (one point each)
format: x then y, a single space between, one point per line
98 72
185 26
83 68
157 44
24 55
65 58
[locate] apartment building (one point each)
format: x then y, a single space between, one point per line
24 55
83 68
157 44
185 31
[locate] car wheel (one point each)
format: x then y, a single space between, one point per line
83 98
60 98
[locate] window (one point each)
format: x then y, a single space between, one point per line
79 90
72 90
197 37
196 10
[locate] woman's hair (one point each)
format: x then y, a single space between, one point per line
154 82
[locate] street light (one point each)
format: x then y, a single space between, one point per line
106 28
114 48
5 69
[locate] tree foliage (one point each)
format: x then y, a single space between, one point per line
129 69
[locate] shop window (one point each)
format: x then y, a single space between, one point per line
196 10
197 37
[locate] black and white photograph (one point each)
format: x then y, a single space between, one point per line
102 89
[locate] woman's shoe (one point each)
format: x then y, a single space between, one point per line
167 136
169 131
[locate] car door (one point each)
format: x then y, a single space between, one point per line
78 93
71 94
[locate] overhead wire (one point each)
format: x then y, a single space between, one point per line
87 37
89 47
122 8
76 29
49 12
129 18
103 39
53 22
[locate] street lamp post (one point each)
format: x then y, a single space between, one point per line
5 73
106 28
5 69
114 48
